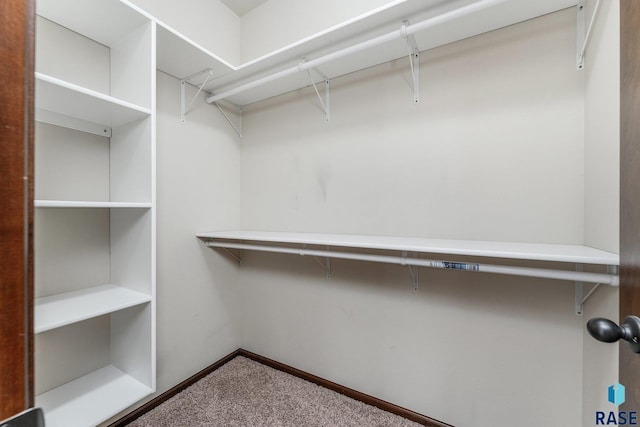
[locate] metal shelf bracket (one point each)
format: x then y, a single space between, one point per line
415 276
238 258
579 294
234 256
183 91
582 36
581 298
184 108
414 60
326 266
414 271
326 106
237 128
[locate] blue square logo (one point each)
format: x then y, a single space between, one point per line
616 394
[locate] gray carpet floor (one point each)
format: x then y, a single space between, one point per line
246 393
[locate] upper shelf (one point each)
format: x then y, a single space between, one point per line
105 21
181 57
75 101
522 251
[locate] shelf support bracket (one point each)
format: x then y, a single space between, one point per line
326 103
581 298
326 266
579 294
234 256
582 36
238 258
415 276
414 60
413 271
237 128
184 109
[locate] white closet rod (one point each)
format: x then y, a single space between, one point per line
403 32
574 276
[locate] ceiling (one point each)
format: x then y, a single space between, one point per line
240 7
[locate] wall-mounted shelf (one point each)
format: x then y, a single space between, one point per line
75 101
90 399
346 246
181 57
64 309
525 251
82 204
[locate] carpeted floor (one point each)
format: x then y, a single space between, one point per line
246 393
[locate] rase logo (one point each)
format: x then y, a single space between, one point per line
615 395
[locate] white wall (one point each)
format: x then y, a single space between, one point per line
471 350
197 188
493 151
602 171
602 130
87 63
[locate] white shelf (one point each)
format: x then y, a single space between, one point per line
82 204
91 399
180 57
333 246
68 99
64 309
105 21
523 251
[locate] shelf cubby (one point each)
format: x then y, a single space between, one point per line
90 399
64 309
68 99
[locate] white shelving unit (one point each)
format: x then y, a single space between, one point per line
405 251
95 216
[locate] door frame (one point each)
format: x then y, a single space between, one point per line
629 362
17 18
